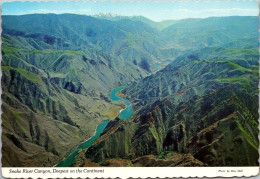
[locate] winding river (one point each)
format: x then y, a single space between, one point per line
128 111
124 114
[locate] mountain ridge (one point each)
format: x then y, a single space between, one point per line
211 88
58 71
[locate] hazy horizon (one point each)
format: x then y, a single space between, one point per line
119 15
167 10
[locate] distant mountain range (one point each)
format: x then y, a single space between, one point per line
193 83
157 25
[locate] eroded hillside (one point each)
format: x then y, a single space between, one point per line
204 104
194 93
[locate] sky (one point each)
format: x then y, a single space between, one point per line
154 10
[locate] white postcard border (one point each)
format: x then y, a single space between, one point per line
126 172
122 172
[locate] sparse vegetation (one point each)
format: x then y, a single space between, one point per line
28 75
194 90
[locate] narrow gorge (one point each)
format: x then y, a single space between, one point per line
85 91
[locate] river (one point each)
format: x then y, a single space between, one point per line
124 114
128 111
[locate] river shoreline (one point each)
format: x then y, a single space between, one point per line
75 148
125 113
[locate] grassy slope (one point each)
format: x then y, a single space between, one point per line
28 75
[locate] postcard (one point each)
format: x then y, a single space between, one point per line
129 89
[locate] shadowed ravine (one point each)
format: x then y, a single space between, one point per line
193 87
124 114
